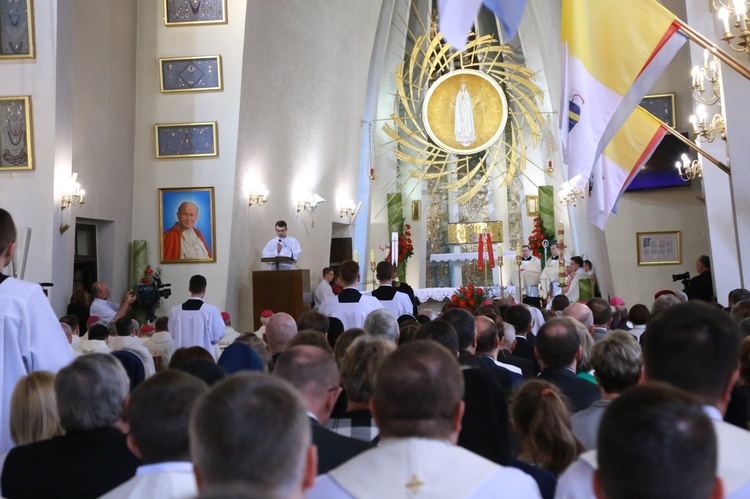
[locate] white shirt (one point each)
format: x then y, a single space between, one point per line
350 314
171 480
289 247
421 467
104 309
574 291
203 327
400 304
733 446
322 292
32 340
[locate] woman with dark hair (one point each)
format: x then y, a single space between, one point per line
80 304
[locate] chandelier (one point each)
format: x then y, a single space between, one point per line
736 33
705 131
688 170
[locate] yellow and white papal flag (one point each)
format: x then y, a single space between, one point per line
620 162
613 52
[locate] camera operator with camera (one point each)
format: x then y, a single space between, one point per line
700 287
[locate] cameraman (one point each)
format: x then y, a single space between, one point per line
701 287
106 310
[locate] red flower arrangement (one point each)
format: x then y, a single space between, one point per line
405 246
468 296
536 238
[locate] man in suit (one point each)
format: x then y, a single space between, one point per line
505 355
582 314
280 329
250 431
92 457
158 414
694 347
466 328
602 316
195 322
701 287
350 306
520 318
313 372
396 301
558 349
488 346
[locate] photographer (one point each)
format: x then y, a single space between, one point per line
701 287
106 310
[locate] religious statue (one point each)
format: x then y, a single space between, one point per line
464 121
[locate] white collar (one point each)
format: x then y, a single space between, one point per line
169 466
713 413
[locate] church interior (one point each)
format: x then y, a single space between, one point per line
312 113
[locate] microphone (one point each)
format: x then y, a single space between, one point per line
288 247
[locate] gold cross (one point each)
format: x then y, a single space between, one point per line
414 485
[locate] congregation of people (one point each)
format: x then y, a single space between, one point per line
372 395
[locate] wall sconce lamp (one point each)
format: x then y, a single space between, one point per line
687 170
708 72
348 210
738 9
258 196
308 202
705 132
71 196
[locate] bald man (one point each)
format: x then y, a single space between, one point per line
183 241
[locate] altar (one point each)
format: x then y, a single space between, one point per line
442 294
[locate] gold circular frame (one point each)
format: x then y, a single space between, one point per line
488 104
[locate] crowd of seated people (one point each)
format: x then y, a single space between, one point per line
498 401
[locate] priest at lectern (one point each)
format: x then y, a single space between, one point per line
283 245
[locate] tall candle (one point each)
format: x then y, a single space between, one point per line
356 256
372 256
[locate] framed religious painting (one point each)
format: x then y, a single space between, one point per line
659 248
16 151
192 12
16 29
661 106
186 140
190 74
187 225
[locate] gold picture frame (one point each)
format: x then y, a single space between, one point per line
16 134
17 30
416 210
186 140
659 248
202 73
192 12
468 233
172 226
532 206
661 106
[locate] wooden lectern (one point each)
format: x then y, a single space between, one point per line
276 260
280 290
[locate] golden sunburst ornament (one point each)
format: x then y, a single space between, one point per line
462 118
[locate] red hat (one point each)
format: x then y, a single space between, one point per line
616 301
225 316
664 292
93 319
266 314
147 328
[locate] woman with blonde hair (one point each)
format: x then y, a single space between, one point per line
33 409
541 420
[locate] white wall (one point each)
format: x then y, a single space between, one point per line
304 82
156 40
29 196
101 128
654 211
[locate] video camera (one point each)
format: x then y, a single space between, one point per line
149 294
685 278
